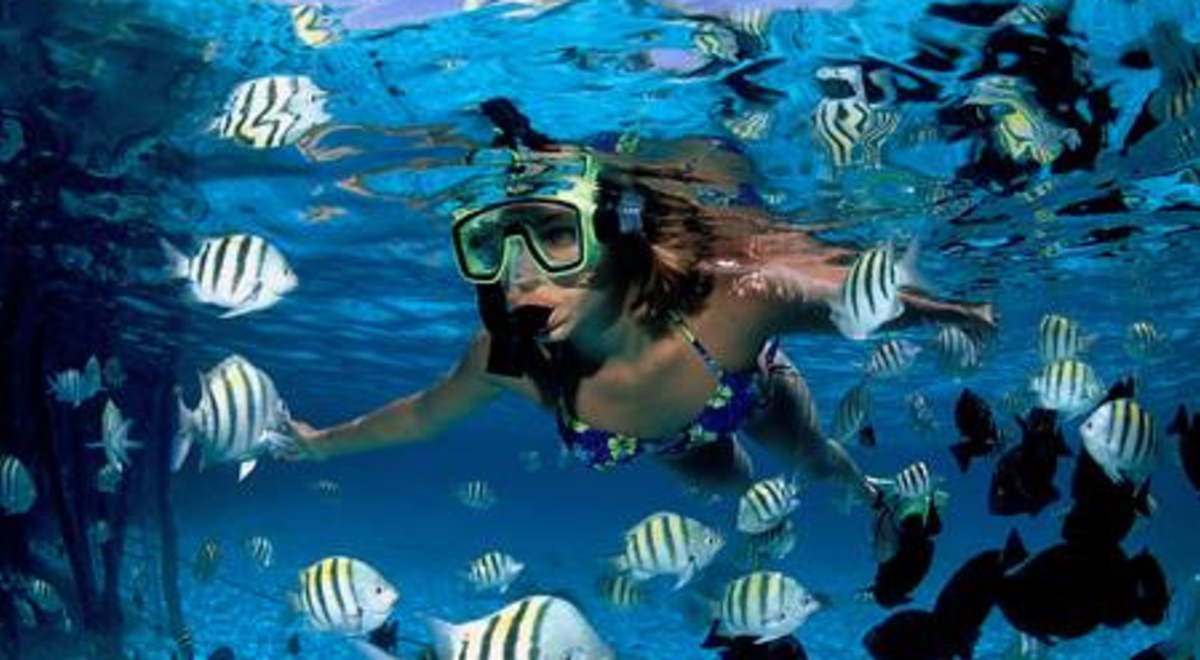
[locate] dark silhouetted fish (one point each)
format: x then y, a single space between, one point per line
1189 444
896 578
953 627
1068 590
747 648
222 653
980 437
1024 478
1103 511
293 644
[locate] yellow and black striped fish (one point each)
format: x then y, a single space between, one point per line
892 358
345 595
493 571
476 494
1143 341
667 543
1068 386
241 272
312 27
767 503
261 551
620 591
1121 436
1061 338
765 604
533 628
272 111
208 558
17 490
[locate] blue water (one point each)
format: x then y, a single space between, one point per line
381 311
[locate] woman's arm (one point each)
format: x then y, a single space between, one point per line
415 417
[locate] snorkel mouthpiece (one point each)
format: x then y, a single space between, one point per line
530 320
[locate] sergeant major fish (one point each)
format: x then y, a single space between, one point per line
1068 386
766 504
17 490
344 595
240 272
494 571
272 111
765 604
530 629
1121 436
666 543
870 295
71 386
239 418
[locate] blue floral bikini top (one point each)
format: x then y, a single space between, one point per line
736 395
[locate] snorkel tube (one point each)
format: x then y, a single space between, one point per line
513 332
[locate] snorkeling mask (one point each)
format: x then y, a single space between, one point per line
553 207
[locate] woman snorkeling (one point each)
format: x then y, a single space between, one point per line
637 296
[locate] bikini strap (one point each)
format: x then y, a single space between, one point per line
710 362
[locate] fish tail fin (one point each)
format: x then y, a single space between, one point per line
184 436
445 636
907 273
178 263
1014 551
962 456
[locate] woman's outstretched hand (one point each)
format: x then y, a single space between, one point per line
300 443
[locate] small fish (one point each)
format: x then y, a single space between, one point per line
958 354
208 559
493 571
1022 128
261 551
1189 443
115 442
853 416
920 413
529 629
851 130
531 460
311 27
751 126
113 375
476 494
1029 14
975 423
1143 341
666 543
43 594
766 504
1068 386
1121 436
870 295
620 591
239 272
17 489
272 111
914 481
1024 478
766 605
26 614
892 358
328 489
344 595
774 544
70 386
1060 338
100 532
239 418
108 479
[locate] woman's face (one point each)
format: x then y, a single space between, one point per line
575 302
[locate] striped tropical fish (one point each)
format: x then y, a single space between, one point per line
1023 131
1143 341
1061 338
852 415
892 358
43 594
476 494
327 488
272 111
73 387
115 437
773 544
957 352
17 490
533 628
620 591
240 272
914 481
920 413
870 294
261 551
312 27
667 543
1068 386
239 418
345 595
766 504
1121 436
766 605
493 571
208 559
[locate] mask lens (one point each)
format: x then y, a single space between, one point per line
550 230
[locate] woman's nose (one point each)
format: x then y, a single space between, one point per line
520 269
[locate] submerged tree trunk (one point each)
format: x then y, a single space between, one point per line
160 465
